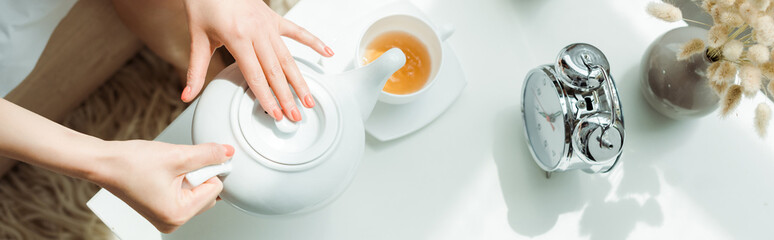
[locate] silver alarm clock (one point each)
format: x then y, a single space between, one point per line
572 114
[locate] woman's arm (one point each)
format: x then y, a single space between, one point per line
68 72
146 175
36 140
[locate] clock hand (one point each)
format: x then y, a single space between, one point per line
548 119
553 116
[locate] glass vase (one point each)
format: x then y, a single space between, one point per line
678 89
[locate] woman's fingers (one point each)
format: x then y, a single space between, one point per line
292 73
202 155
204 196
248 63
291 30
276 78
201 53
267 65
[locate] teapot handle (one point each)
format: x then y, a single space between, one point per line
201 175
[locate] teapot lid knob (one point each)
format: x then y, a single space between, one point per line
286 126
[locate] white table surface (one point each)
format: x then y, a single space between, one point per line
469 174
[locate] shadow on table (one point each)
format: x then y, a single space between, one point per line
733 187
535 203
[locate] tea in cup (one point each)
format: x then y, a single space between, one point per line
421 44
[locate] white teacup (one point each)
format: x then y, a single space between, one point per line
419 28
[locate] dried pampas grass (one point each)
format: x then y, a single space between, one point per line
751 79
690 48
762 118
718 35
719 87
758 54
770 87
733 50
739 45
721 72
760 5
767 69
748 12
731 99
764 30
726 72
726 17
712 71
706 5
725 3
665 11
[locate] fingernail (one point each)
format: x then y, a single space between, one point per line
329 51
186 92
229 150
309 101
288 114
277 114
296 115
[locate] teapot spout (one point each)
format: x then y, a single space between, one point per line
366 83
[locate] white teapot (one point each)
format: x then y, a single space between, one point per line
284 167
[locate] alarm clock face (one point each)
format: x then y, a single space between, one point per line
543 109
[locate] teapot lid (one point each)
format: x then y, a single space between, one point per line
286 142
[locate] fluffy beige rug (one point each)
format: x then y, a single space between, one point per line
138 102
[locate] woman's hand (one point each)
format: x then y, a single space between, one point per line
146 175
149 176
251 31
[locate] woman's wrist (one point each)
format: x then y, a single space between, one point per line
97 168
104 162
86 157
35 140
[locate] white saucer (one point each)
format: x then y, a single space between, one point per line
391 121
